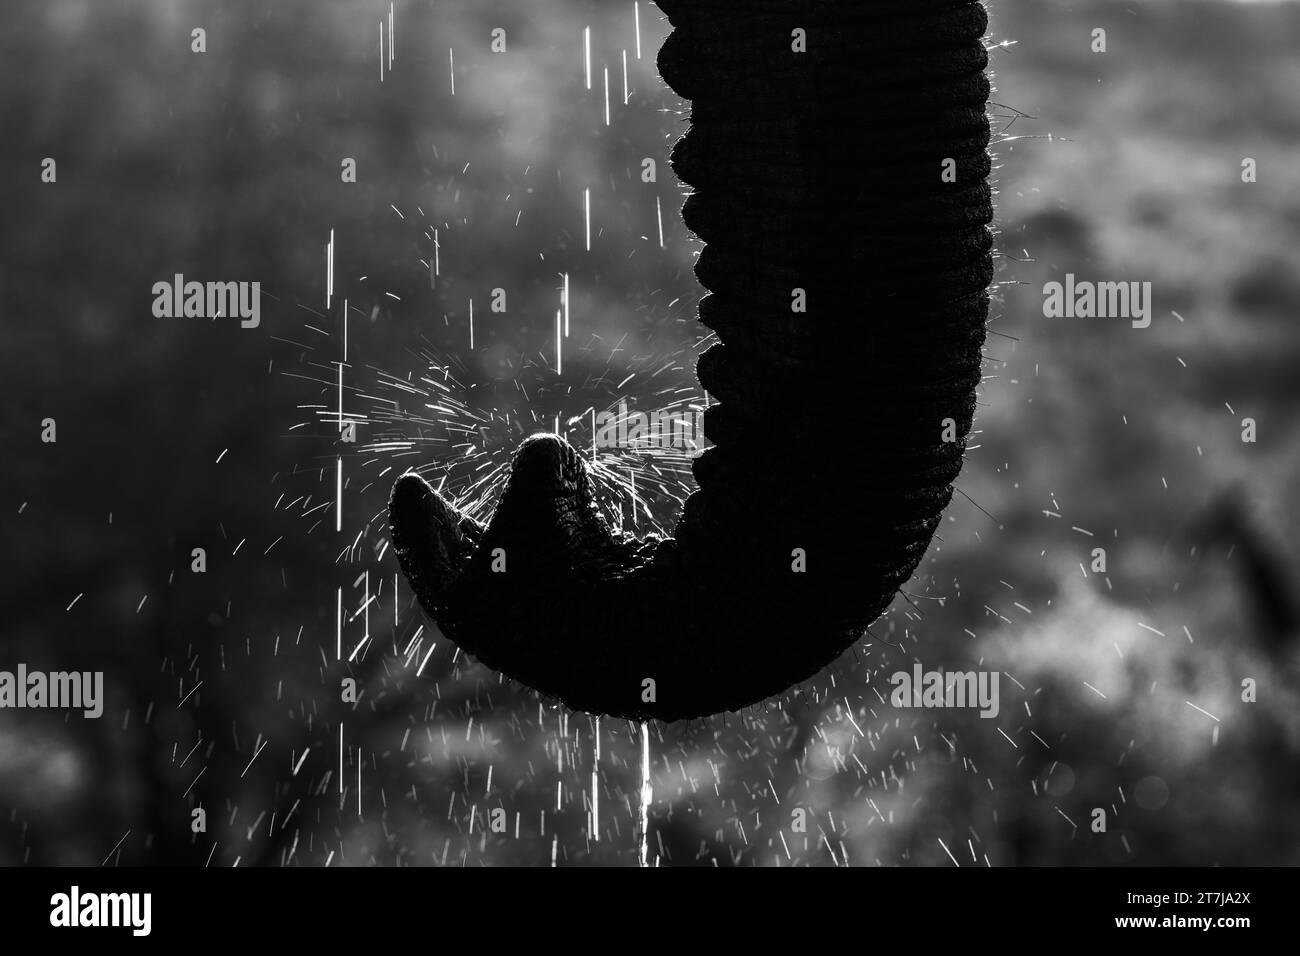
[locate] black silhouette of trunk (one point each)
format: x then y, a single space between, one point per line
838 154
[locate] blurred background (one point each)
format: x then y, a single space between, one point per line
1122 688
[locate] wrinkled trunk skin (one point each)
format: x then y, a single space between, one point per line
819 171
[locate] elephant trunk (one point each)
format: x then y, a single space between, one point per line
838 155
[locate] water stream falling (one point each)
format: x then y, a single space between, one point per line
647 793
595 791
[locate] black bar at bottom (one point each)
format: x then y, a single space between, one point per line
302 906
